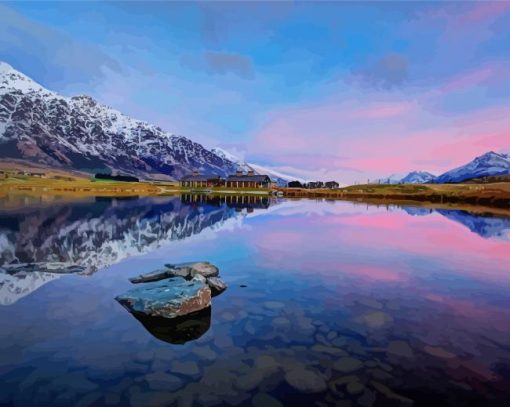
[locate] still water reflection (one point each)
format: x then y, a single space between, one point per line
327 302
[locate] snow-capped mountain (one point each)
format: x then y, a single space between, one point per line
488 164
418 177
77 132
280 178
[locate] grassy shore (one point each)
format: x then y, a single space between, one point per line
72 185
77 186
489 195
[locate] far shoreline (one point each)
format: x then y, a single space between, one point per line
493 199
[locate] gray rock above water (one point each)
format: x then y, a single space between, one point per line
168 298
185 270
217 285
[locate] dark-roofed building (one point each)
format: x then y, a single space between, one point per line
196 180
249 180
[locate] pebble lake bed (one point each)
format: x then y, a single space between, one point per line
328 303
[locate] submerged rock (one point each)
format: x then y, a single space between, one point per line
185 270
46 267
177 330
217 285
168 298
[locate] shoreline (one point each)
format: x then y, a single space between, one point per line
495 195
479 197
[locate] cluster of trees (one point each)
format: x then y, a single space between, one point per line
313 184
123 178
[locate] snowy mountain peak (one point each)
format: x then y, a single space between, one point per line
11 79
418 177
492 156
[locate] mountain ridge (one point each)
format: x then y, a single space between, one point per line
77 132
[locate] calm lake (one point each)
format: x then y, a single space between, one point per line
329 303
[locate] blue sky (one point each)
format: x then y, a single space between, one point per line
323 90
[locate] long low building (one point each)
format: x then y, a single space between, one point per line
196 180
239 180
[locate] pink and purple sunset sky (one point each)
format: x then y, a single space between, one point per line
345 91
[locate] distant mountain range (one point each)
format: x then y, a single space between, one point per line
78 133
487 165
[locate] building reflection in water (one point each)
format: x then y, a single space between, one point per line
238 202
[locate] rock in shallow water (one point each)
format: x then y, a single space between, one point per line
168 298
185 270
204 268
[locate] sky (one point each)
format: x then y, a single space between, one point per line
323 90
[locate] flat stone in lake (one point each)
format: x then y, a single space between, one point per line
168 298
185 270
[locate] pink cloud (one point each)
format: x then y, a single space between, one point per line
485 11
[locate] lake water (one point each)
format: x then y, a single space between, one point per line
329 303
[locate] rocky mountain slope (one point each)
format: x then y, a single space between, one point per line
77 132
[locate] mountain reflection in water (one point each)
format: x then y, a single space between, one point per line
328 302
484 226
96 234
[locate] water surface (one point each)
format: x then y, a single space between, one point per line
328 302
